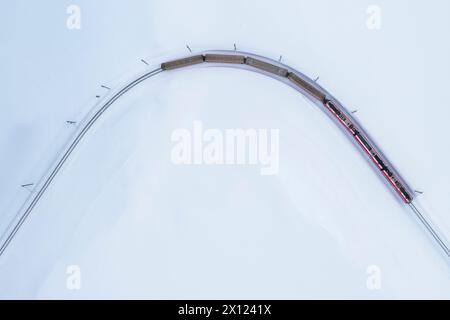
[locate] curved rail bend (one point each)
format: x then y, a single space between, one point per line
277 70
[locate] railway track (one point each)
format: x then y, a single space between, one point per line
309 88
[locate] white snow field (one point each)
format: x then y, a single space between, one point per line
134 225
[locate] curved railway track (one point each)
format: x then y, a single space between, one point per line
314 92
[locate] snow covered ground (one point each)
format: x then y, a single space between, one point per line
134 225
